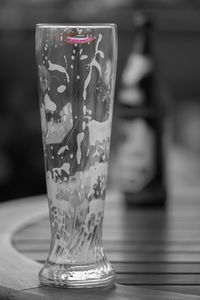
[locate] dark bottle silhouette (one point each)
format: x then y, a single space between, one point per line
141 113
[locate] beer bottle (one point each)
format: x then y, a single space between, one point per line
141 113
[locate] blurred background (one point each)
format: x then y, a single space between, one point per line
177 44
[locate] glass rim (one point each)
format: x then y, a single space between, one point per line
75 25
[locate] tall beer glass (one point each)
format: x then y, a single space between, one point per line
76 72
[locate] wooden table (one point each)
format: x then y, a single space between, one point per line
156 252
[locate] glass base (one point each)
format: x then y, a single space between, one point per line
77 276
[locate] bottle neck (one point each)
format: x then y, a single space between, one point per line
142 43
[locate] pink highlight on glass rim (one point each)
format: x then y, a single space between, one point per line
79 39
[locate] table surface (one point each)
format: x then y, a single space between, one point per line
155 252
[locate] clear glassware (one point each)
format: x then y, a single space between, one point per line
76 71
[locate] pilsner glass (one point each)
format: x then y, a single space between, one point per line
76 72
